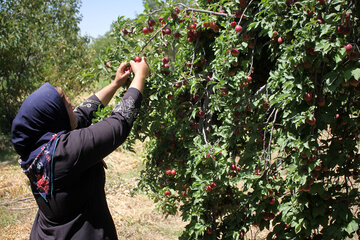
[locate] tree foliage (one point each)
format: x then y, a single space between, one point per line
154 5
101 44
252 114
39 41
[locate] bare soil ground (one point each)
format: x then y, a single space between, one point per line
135 217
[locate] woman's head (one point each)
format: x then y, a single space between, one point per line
41 115
69 108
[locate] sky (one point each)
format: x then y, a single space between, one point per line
98 15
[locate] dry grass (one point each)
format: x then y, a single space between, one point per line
135 217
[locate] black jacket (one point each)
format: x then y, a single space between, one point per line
78 208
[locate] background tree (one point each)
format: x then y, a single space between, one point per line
39 41
100 44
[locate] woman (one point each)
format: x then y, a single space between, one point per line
62 155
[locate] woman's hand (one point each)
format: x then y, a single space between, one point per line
140 69
121 75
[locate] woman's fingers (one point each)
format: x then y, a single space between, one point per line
122 67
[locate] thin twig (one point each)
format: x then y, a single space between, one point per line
349 180
259 90
242 15
17 200
194 55
155 11
252 61
271 135
203 123
212 148
182 81
209 12
189 9
328 6
267 121
265 131
157 32
205 136
24 208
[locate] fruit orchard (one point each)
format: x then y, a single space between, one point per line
251 114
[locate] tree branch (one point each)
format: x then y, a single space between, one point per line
209 12
265 131
242 15
203 122
189 9
194 54
259 90
182 81
252 61
267 121
271 135
155 11
157 32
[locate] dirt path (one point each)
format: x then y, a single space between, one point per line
135 217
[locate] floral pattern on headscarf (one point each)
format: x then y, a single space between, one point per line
40 170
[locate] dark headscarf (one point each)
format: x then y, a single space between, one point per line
41 120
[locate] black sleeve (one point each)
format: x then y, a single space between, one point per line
84 113
83 148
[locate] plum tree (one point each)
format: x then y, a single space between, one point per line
228 115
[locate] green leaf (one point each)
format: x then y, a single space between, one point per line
339 57
253 25
347 75
332 81
353 226
154 97
325 29
356 73
323 46
318 211
299 226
